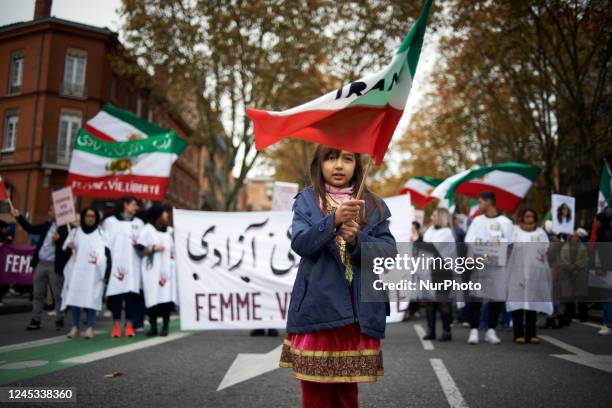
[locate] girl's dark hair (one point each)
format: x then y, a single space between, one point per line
524 211
322 153
560 212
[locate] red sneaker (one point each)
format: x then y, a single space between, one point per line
116 331
129 330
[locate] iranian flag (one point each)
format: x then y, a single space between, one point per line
139 167
605 189
509 181
117 125
359 117
420 189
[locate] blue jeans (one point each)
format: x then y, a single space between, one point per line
607 316
76 317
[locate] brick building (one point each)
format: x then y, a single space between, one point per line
54 76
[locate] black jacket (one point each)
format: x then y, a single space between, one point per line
61 256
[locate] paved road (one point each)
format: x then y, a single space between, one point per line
573 368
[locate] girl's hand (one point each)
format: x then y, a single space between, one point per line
349 232
348 211
70 244
159 248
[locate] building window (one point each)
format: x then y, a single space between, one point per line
69 123
16 76
74 73
10 131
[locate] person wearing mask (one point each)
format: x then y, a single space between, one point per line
122 231
48 263
85 272
441 236
529 281
490 231
604 234
156 245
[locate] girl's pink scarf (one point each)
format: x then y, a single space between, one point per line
339 195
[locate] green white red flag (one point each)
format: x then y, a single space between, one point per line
509 181
605 189
420 189
360 117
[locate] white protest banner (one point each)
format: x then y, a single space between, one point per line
63 205
236 269
563 214
282 198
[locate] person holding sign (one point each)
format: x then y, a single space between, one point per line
122 231
487 237
48 264
85 273
327 319
156 244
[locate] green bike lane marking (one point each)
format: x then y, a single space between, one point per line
49 358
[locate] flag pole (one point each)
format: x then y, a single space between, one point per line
363 179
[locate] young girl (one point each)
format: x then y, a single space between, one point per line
333 339
85 279
156 245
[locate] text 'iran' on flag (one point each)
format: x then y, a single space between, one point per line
420 189
360 117
509 181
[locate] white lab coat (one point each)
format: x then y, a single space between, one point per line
158 271
125 272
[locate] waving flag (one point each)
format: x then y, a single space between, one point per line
420 189
113 169
117 125
4 196
359 117
509 181
605 189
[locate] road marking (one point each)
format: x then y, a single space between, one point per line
250 365
37 343
452 393
598 361
115 351
564 346
19 365
595 325
420 332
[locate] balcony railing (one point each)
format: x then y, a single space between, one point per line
73 90
55 158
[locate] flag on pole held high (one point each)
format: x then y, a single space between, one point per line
509 181
117 125
360 117
605 189
420 189
122 154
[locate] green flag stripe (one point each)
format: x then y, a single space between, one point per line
605 186
413 42
139 123
167 142
525 170
430 180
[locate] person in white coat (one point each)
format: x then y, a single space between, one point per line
85 284
441 236
529 280
122 231
490 232
156 244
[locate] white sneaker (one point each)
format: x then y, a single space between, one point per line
473 339
74 332
491 337
89 333
604 331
